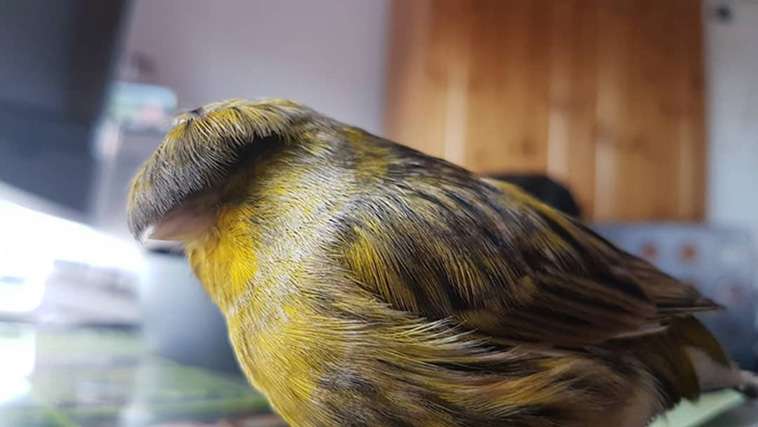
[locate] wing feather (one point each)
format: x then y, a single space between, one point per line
487 255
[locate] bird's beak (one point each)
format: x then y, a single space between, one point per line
145 235
154 233
180 224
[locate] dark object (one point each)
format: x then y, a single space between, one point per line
56 59
179 320
723 13
546 190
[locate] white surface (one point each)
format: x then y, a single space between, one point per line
18 350
329 54
33 242
693 414
732 65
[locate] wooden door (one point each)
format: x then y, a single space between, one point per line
604 95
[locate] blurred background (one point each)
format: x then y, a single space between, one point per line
640 117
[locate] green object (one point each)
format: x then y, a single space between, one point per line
96 377
709 406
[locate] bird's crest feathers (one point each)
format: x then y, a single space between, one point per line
201 150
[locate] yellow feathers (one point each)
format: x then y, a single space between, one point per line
367 284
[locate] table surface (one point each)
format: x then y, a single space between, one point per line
97 377
94 377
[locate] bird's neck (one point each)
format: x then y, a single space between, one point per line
223 258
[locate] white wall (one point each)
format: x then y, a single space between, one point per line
329 54
732 63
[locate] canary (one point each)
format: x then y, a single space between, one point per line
367 284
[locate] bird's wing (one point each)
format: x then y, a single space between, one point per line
499 262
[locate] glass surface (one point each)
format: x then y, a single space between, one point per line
98 377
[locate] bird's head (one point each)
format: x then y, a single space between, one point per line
175 194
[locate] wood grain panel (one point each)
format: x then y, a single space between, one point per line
691 113
604 95
427 84
508 106
573 77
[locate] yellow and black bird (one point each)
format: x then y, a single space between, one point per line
367 284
